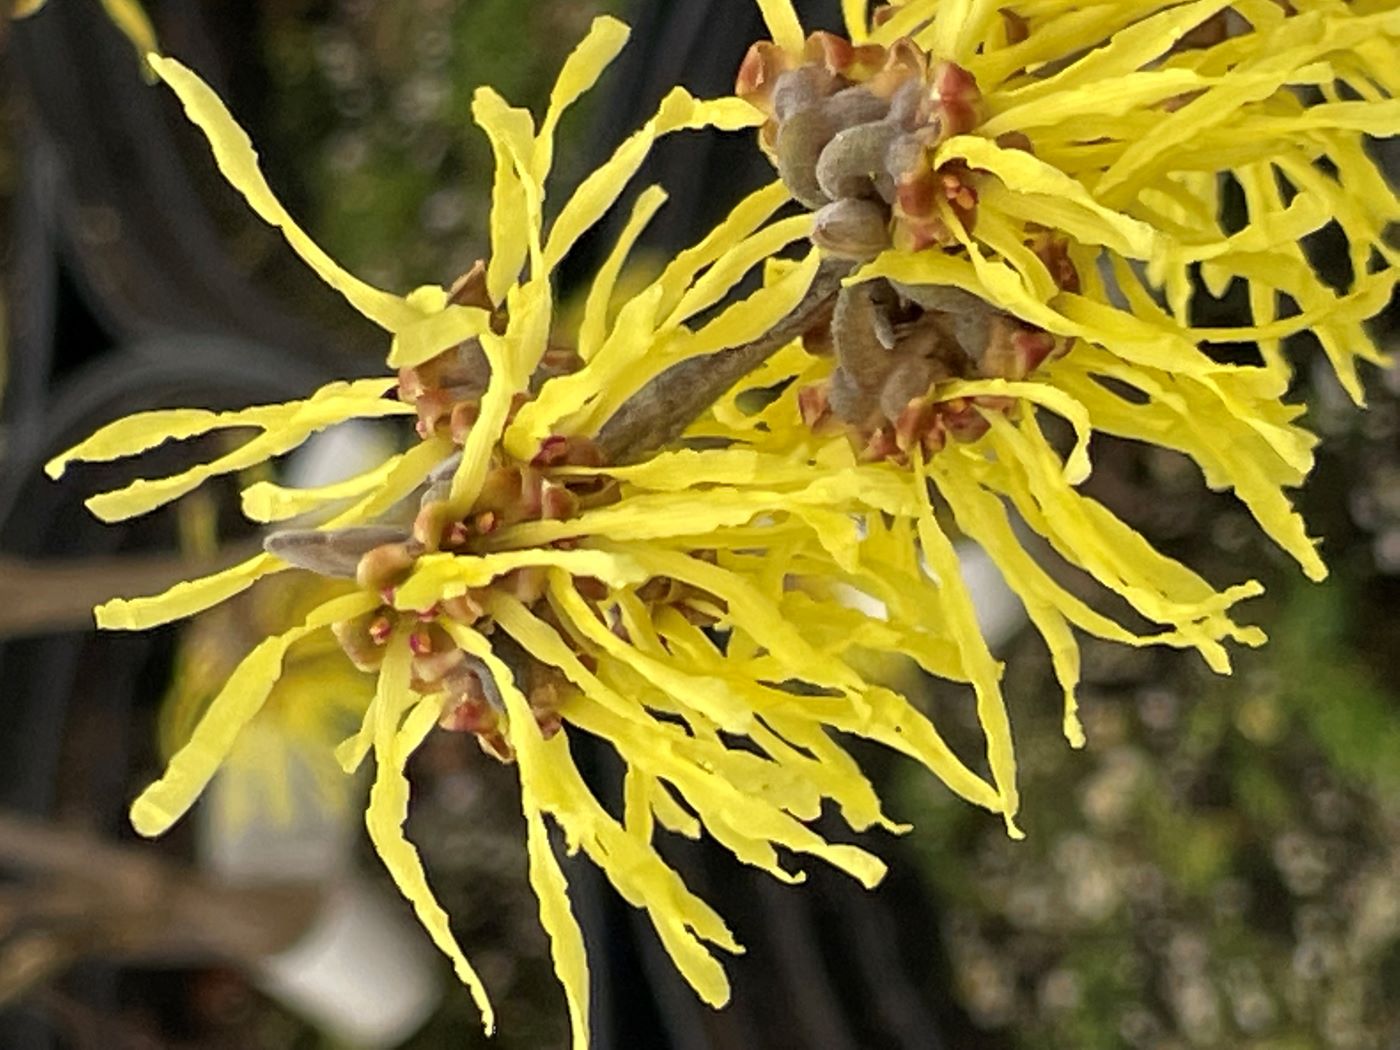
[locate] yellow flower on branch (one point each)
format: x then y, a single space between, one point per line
1017 241
1039 142
1027 191
472 612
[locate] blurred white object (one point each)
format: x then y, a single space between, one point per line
338 453
1000 613
362 972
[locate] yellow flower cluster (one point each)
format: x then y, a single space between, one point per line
1023 242
1094 125
641 674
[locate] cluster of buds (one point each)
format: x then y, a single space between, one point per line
511 493
381 557
895 344
930 424
472 703
927 422
446 390
852 132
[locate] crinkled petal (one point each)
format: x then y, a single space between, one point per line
142 431
239 164
194 765
185 598
437 577
1022 172
853 14
1077 466
956 606
585 64
265 502
388 809
131 19
594 327
511 131
600 190
308 417
739 225
557 916
425 339
783 24
550 780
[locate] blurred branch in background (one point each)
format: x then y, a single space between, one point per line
59 595
80 896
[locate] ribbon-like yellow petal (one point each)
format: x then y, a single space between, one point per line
388 809
594 327
194 765
1023 173
141 431
585 64
185 598
305 418
264 501
437 577
956 605
239 163
783 24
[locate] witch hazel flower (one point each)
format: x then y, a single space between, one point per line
494 580
650 531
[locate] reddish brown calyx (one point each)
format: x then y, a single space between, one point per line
920 194
929 425
559 450
1015 349
814 405
471 702
823 52
959 98
383 568
446 389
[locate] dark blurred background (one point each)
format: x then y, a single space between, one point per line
1220 867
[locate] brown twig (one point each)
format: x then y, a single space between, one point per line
662 409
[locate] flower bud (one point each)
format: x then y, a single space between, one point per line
386 566
853 157
852 229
